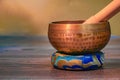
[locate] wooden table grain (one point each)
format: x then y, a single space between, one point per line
31 61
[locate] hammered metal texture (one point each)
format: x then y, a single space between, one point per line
73 37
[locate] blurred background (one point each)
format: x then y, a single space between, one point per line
31 17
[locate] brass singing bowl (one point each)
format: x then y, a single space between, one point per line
73 37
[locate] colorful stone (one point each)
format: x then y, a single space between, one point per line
77 62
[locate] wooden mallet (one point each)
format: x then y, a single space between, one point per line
106 13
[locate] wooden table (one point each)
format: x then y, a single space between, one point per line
31 61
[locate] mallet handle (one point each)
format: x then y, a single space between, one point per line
106 13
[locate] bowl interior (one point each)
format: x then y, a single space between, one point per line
68 22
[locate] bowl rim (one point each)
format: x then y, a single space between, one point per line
76 22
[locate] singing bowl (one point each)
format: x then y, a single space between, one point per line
73 37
